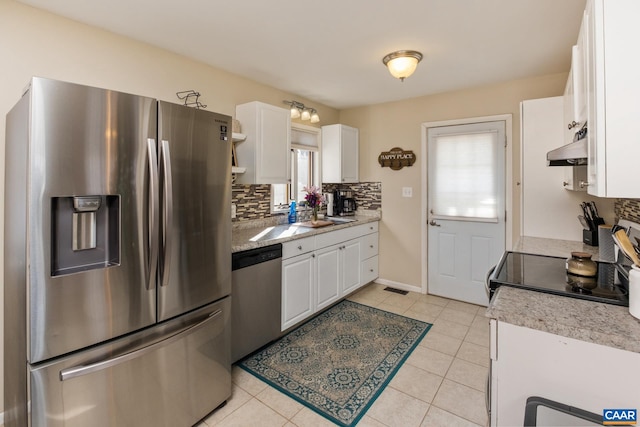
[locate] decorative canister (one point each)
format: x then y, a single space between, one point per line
581 264
634 291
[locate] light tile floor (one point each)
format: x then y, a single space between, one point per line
442 383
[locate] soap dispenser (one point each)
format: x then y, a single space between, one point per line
293 216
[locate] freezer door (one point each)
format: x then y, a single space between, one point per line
195 206
90 273
170 375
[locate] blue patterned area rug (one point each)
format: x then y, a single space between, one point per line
339 362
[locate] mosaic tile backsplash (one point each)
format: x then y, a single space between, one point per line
254 201
628 209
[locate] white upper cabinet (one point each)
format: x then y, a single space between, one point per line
575 94
613 91
339 154
265 151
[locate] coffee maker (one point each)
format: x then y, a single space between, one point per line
343 203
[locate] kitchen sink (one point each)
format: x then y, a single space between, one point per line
340 220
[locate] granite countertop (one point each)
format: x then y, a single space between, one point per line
554 247
594 322
258 233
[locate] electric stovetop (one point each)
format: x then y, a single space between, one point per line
549 274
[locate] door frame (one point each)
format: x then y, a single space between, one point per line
508 201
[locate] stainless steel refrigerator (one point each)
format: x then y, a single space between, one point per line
117 259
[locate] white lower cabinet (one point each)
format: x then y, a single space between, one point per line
350 266
369 255
369 269
532 363
297 289
328 275
318 271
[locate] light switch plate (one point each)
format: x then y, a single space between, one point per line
407 191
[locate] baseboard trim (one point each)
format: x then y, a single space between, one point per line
398 285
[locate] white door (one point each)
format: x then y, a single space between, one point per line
466 208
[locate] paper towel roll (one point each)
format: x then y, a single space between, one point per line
634 292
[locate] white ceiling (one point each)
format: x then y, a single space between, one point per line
330 51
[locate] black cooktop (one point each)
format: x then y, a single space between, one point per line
549 274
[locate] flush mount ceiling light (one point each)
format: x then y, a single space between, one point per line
298 110
402 63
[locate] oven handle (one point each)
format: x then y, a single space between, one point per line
486 281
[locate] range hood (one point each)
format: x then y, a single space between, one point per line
574 154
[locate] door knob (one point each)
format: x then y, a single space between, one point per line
434 223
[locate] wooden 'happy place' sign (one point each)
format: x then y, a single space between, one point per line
396 158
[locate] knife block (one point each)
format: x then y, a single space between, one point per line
590 237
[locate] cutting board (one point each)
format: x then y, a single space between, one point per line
319 223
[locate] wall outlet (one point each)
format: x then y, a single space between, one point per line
407 191
233 210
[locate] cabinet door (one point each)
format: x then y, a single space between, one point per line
568 104
339 154
297 289
265 150
328 275
595 100
579 68
273 147
349 150
350 266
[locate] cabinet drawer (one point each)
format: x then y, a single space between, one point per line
298 247
369 270
368 228
369 246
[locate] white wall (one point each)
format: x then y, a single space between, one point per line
398 124
548 209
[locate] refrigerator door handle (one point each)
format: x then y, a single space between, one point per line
154 213
167 232
78 371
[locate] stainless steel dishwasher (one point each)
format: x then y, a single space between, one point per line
256 291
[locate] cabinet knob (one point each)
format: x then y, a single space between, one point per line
583 184
313 255
371 228
371 246
371 270
565 183
299 247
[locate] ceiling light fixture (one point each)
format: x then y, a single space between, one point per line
315 118
295 113
299 110
402 63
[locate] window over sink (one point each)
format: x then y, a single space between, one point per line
305 168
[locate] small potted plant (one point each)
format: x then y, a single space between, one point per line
314 199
